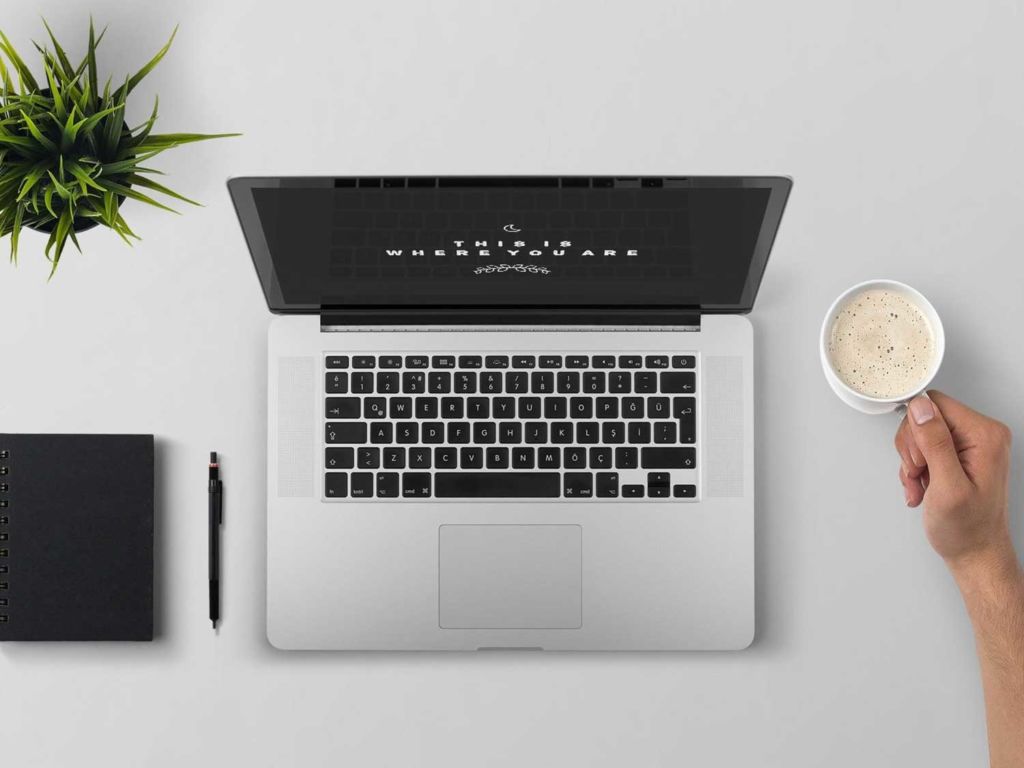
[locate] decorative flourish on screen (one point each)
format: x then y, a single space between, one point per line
531 268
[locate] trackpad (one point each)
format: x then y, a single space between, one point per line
511 576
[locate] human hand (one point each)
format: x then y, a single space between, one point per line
957 461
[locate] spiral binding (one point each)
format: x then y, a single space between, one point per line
5 486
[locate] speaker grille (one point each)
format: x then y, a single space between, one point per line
296 437
723 434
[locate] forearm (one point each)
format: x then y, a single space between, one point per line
993 591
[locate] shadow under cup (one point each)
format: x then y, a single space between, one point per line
859 400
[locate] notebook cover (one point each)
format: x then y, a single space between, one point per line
76 537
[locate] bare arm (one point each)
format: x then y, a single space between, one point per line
957 463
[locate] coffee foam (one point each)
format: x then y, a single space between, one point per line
881 344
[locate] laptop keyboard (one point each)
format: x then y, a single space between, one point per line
556 426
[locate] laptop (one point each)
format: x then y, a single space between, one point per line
510 412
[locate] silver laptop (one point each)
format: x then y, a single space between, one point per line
510 413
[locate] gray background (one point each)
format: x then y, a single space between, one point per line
901 124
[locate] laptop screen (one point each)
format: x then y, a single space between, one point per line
510 242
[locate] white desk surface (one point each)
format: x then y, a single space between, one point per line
901 125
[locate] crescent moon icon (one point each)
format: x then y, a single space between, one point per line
511 228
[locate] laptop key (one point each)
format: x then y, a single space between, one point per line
510 432
443 361
577 361
496 361
613 432
587 432
407 432
471 458
684 361
433 432
578 485
362 383
619 382
470 361
426 407
390 361
465 382
363 361
439 382
387 382
627 458
668 458
550 361
339 458
665 432
336 383
337 361
387 485
639 432
645 381
561 432
417 361
556 408
394 458
368 458
568 382
542 383
350 432
524 361
497 458
630 361
656 361
517 382
382 432
607 408
600 458
657 484
607 485
497 485
452 407
536 432
575 458
632 491
414 382
604 361
684 491
419 458
549 458
445 458
416 485
529 408
504 407
522 458
594 382
632 407
484 432
684 382
374 408
342 408
478 408
362 485
490 383
401 407
581 407
657 408
458 432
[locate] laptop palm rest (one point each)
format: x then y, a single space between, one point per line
510 576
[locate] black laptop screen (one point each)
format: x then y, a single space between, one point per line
429 242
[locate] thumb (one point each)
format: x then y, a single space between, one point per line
933 438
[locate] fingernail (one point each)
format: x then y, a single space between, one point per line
922 410
906 496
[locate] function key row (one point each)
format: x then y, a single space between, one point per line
336 362
510 382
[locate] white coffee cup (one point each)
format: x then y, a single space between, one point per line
866 403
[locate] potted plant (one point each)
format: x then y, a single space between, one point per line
68 159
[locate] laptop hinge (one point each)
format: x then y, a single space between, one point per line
517 317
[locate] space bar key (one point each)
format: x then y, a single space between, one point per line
497 485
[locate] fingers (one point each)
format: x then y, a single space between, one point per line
933 438
911 456
913 489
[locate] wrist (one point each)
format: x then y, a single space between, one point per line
982 572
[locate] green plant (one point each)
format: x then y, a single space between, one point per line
67 158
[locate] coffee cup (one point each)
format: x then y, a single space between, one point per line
903 362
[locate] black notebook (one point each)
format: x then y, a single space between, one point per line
76 537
